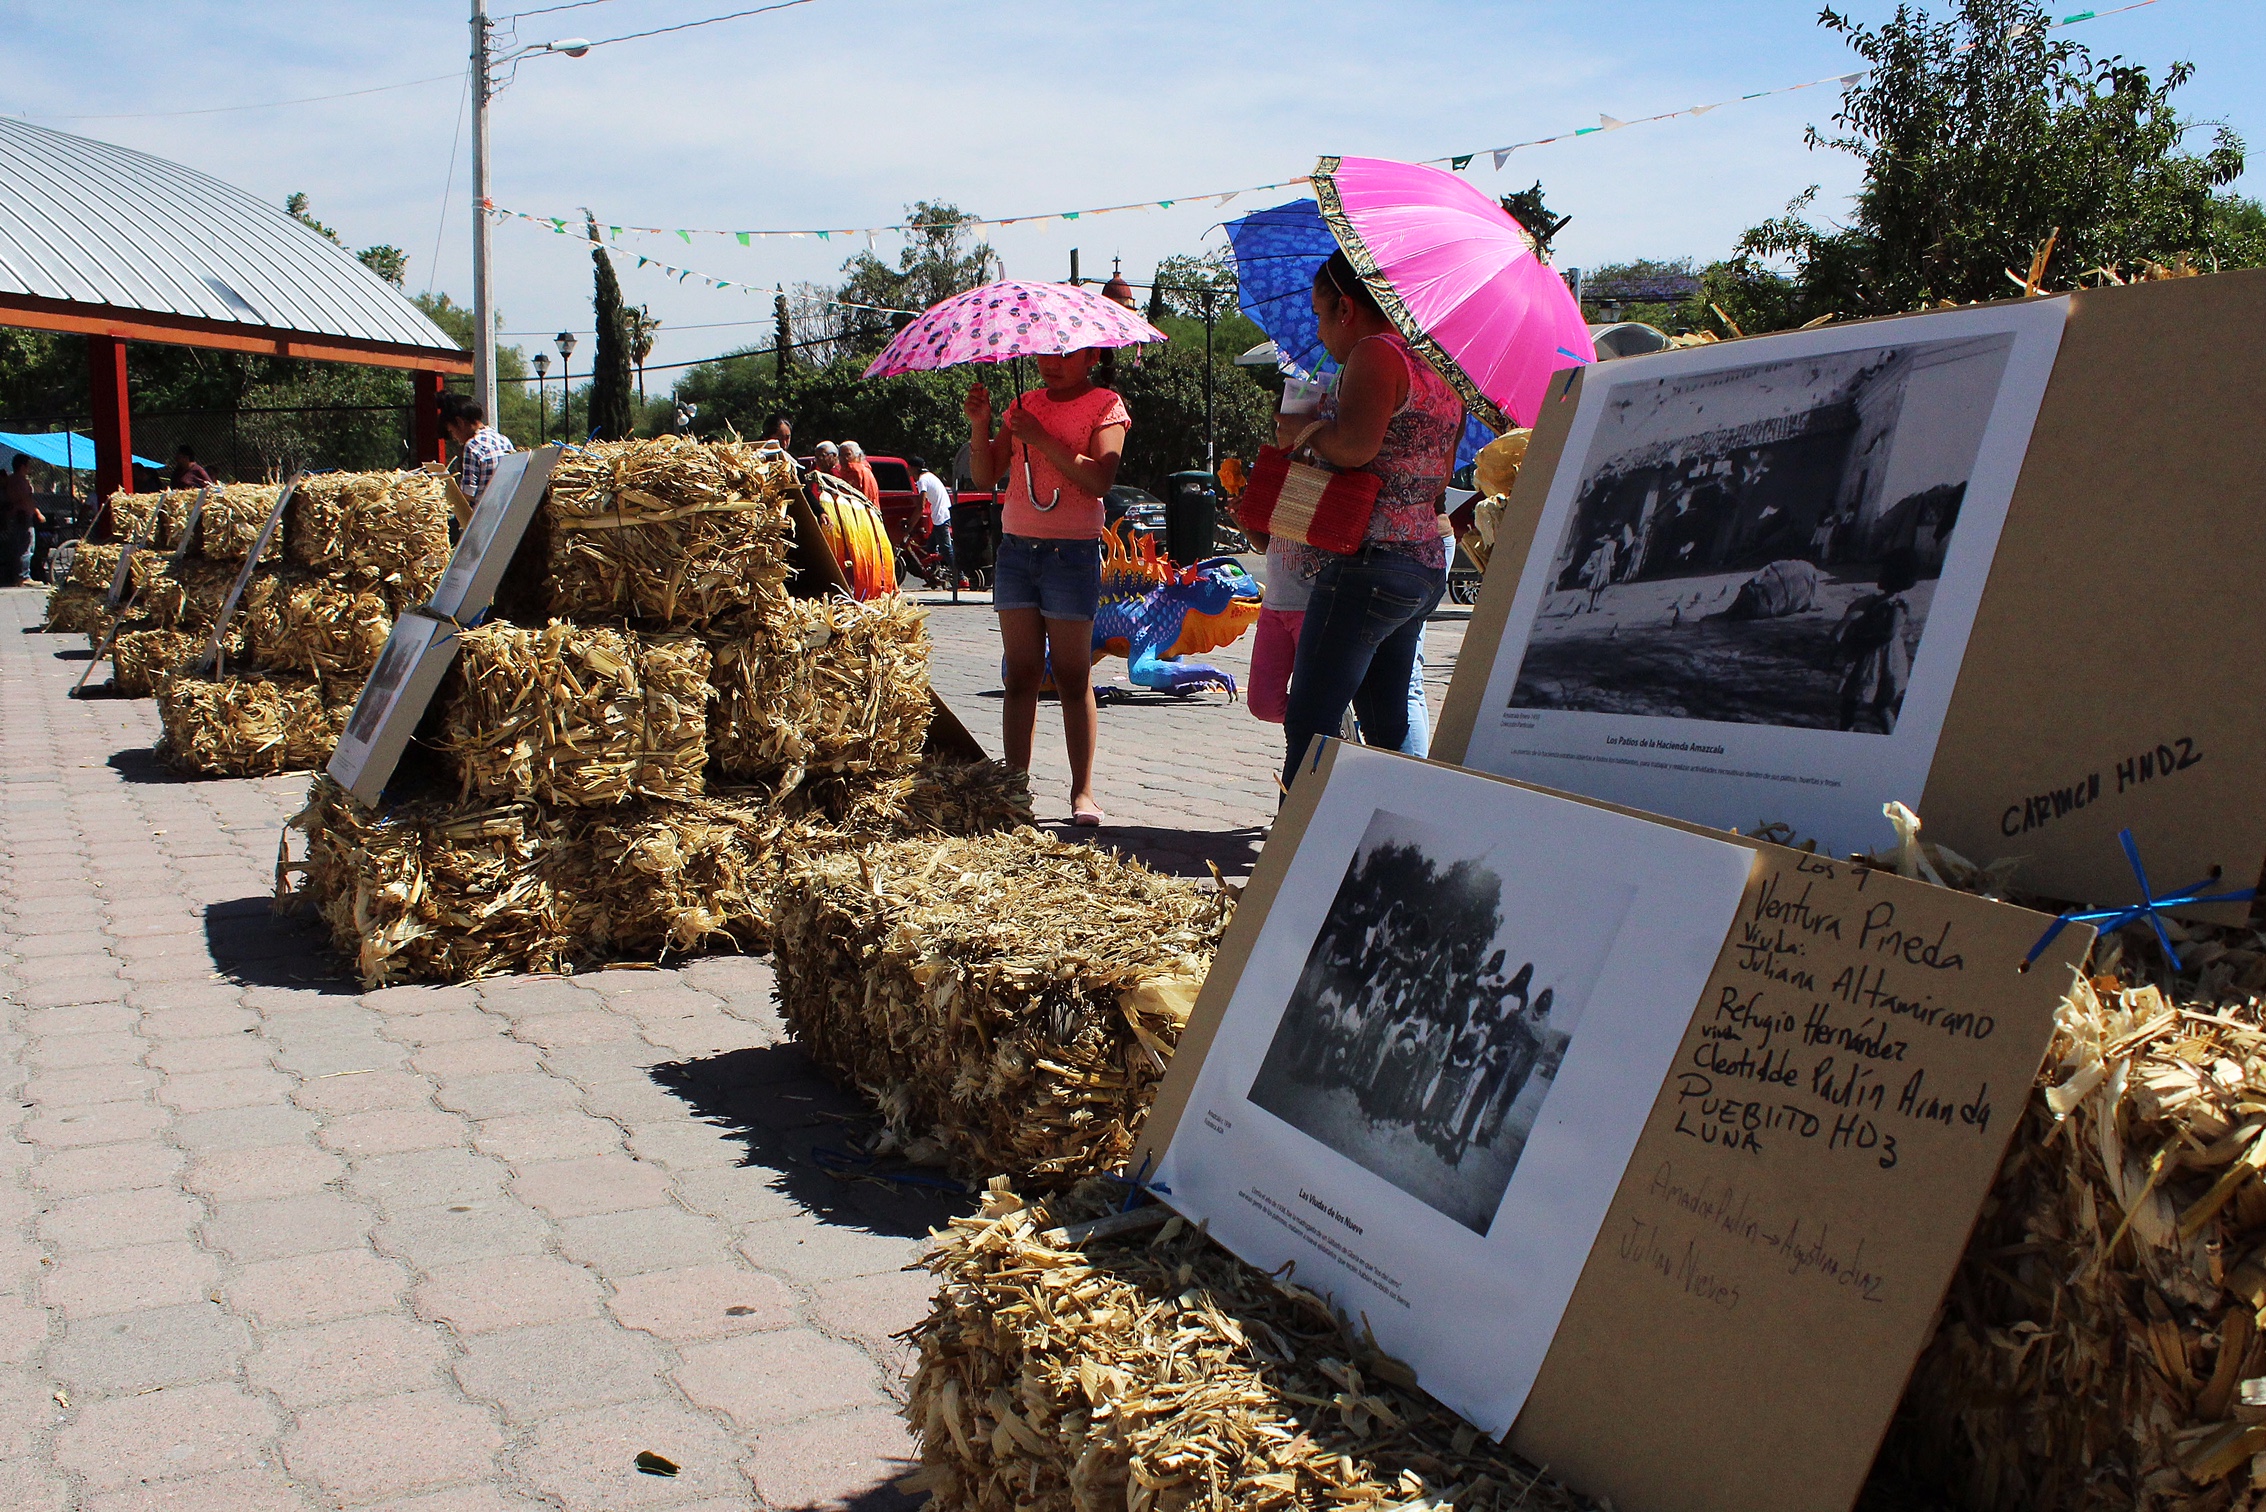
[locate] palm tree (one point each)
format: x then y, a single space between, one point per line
644 325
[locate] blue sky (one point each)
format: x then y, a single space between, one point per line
842 111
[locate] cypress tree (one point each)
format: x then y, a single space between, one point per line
612 415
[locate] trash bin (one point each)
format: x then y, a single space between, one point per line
1191 509
973 548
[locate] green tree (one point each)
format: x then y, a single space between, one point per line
644 330
1165 395
1186 281
612 416
1981 136
520 416
1526 207
942 256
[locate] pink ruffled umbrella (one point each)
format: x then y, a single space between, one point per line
1461 280
1010 319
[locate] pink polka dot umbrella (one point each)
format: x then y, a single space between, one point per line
1010 318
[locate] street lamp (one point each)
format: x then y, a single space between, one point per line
565 340
542 401
485 88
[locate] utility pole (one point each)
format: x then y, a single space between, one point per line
483 290
484 88
1211 449
1075 280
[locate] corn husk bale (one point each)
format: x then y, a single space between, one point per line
670 530
431 891
250 725
1007 1001
74 608
390 525
2096 1340
576 714
140 660
940 799
94 565
1154 1371
234 515
189 596
827 686
133 515
653 880
294 622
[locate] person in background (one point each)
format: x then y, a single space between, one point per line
778 431
1056 456
187 471
479 447
19 522
1395 418
858 472
936 500
827 459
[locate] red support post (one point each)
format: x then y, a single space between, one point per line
113 426
428 443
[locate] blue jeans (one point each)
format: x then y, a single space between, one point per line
17 540
1358 648
1060 579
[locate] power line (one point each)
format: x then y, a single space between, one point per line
548 9
149 115
661 31
432 269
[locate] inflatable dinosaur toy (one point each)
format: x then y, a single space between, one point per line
1154 613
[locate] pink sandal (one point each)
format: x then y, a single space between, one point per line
1087 818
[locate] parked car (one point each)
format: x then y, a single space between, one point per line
1144 509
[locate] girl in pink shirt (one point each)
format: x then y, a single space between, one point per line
1054 458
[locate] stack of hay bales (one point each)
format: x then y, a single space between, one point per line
629 748
1151 1370
1009 1002
355 551
76 604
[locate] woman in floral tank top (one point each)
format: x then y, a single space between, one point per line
1395 418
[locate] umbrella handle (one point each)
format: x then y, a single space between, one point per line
1031 487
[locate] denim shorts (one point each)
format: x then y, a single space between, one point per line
1060 579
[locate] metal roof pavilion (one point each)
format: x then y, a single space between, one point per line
119 246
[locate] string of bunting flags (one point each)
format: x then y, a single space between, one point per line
1458 162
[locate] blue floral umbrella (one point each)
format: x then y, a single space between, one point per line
1276 254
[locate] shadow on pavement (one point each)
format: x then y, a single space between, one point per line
251 945
884 1497
1175 852
801 1129
140 764
82 653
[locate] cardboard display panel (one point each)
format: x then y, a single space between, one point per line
1798 1191
2102 683
417 654
499 519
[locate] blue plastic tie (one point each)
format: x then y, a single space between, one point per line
1137 1185
2109 920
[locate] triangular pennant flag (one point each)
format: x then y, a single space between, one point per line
1502 155
825 236
614 233
683 274
641 262
684 236
1164 204
1848 79
742 236
1223 199
1701 109
1459 164
1607 123
1583 131
1070 215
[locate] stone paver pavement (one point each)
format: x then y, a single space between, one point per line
269 1241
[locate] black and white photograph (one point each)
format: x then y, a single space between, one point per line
1435 1008
1762 544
